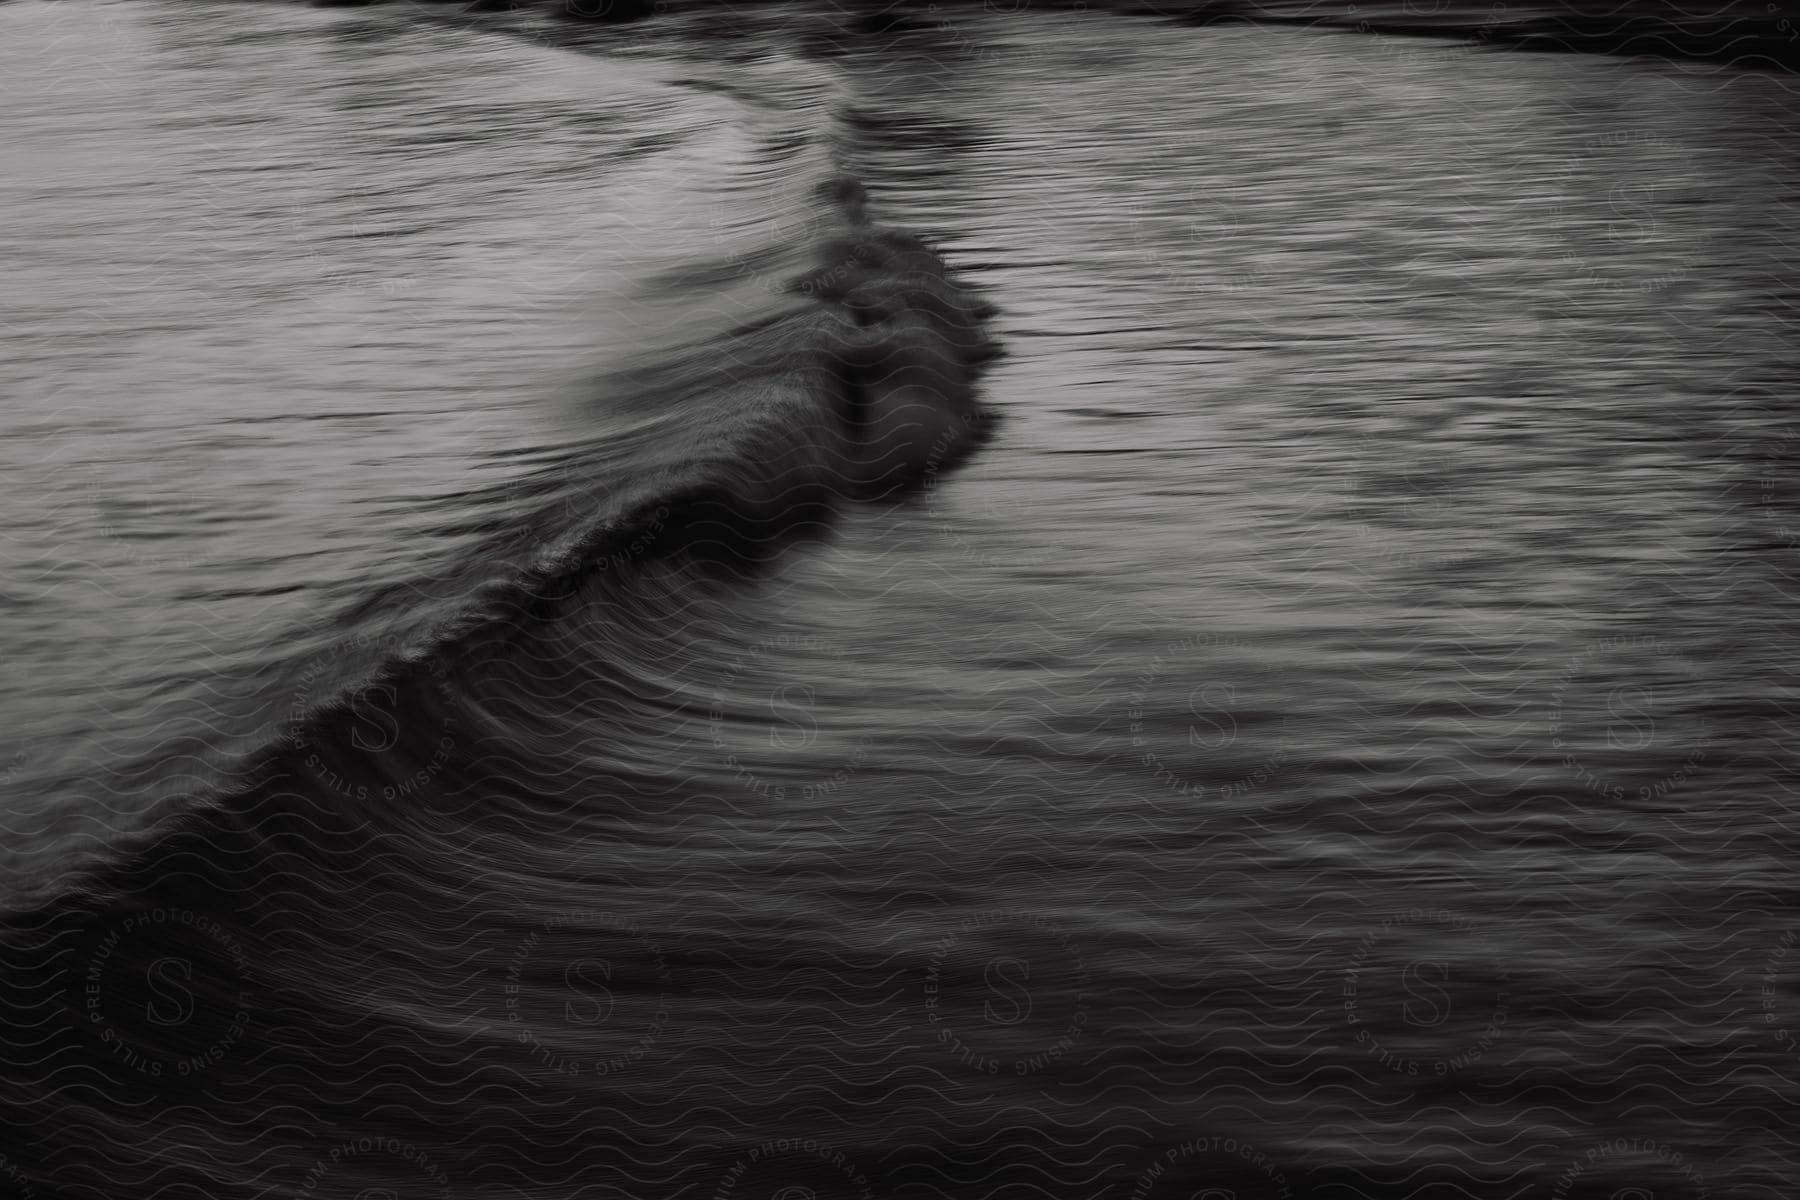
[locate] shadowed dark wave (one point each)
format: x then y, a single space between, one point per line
384 929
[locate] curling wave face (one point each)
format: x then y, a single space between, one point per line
421 773
757 344
288 947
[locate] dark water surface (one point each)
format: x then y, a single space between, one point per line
1335 741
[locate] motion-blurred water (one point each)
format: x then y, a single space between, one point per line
1345 711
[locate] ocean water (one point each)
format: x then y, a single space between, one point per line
1333 739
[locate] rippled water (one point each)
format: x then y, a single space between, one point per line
284 302
1346 709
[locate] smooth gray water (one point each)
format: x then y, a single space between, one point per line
1381 589
1400 449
